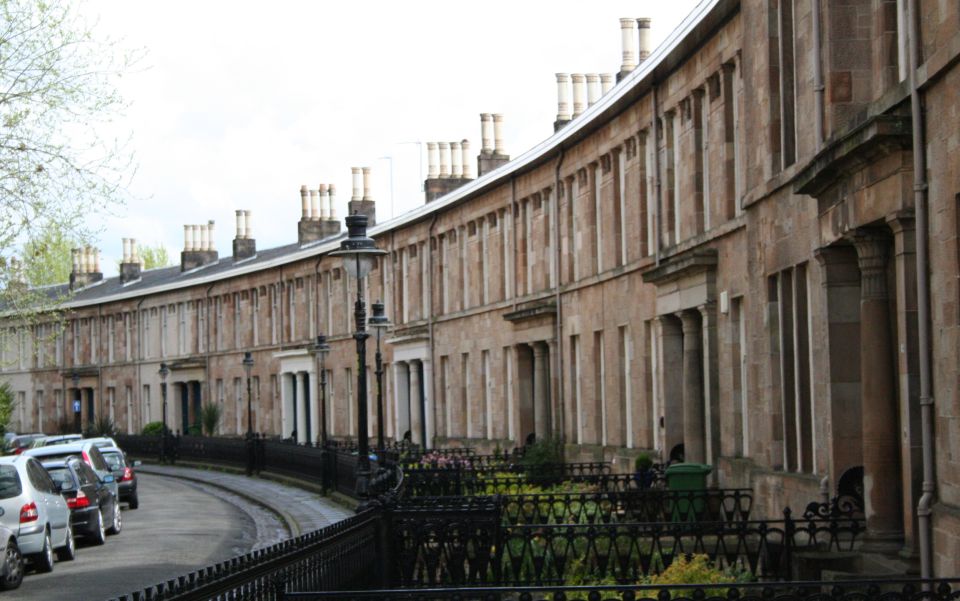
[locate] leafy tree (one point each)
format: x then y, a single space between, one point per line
47 258
7 404
57 169
152 256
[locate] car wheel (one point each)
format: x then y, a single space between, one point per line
99 536
134 502
12 567
117 524
44 559
69 550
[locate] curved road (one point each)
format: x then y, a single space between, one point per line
180 526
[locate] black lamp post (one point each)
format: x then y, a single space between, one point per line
379 322
247 368
321 349
164 372
75 378
359 252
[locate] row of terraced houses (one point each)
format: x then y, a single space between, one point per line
715 256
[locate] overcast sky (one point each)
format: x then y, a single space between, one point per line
236 104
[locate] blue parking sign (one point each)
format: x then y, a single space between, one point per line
76 406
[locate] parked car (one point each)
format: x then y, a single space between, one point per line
46 441
124 474
94 511
31 506
103 442
22 443
84 449
11 570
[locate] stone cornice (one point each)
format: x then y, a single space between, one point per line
531 310
682 265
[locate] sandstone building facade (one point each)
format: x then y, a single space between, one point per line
718 253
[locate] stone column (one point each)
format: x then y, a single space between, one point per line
541 387
711 386
429 423
911 451
287 424
694 444
301 401
416 413
881 449
553 384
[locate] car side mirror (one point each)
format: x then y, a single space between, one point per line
137 463
108 479
65 486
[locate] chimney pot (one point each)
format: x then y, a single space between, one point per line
498 134
356 173
643 25
456 167
367 185
304 202
134 253
433 161
211 239
465 159
486 133
333 206
578 93
241 227
606 82
628 40
593 88
248 224
563 96
126 250
444 159
324 202
75 255
194 237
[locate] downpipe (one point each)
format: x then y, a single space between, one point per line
925 506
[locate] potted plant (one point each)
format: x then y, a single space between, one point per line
643 470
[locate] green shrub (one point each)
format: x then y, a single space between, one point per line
210 414
153 429
194 430
698 569
101 426
643 462
542 453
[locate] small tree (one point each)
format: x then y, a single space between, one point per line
7 403
210 414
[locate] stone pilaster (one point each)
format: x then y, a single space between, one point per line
694 442
541 387
711 384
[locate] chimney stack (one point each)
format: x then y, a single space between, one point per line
643 25
447 168
493 156
628 42
362 205
86 267
244 246
130 268
199 247
318 223
563 101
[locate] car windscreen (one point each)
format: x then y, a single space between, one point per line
114 461
60 475
9 482
55 456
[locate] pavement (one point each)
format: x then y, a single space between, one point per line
301 510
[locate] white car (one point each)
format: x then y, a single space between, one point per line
36 512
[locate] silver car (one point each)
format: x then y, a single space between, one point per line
87 450
11 568
32 507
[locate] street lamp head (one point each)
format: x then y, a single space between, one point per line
357 249
248 362
320 347
164 371
379 320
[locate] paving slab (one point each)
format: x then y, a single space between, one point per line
302 510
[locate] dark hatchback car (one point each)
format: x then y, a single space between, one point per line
124 474
94 510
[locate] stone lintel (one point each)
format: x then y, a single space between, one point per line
404 335
531 311
878 136
190 363
682 265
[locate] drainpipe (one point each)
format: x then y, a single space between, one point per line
924 509
556 273
100 359
430 320
818 87
513 227
656 173
206 350
139 360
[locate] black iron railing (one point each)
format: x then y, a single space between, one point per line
430 482
630 506
859 590
341 556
